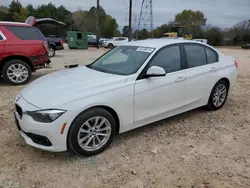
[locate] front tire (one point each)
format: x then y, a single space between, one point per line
110 46
16 72
92 132
218 95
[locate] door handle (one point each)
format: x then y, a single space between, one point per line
180 79
213 69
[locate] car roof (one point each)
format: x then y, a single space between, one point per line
21 24
158 43
161 42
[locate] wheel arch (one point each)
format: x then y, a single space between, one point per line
110 110
53 45
226 80
19 57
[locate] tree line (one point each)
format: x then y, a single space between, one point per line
80 20
193 22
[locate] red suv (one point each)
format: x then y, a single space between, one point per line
23 49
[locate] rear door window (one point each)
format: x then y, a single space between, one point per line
212 56
26 33
195 55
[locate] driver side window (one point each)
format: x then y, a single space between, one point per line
168 58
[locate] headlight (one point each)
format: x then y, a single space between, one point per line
46 116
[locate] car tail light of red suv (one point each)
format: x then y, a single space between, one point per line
62 42
46 46
23 49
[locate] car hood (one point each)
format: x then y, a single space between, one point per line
68 85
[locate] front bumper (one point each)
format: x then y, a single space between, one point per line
105 45
45 136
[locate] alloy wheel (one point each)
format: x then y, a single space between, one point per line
94 133
220 95
17 73
51 52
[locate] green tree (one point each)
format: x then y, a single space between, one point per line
110 27
15 11
4 13
214 36
85 21
144 34
4 9
125 31
192 21
30 9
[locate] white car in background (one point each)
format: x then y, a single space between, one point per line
131 85
115 41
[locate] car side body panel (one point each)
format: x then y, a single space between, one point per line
198 84
120 99
136 102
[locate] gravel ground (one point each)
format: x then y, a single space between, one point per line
197 149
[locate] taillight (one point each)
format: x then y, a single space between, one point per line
46 46
62 41
235 63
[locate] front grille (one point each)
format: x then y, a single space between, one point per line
38 139
19 111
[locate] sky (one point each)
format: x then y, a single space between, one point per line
222 13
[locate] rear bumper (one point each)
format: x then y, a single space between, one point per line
59 48
38 60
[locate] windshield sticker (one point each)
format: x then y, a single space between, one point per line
145 49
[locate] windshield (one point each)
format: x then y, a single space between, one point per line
122 60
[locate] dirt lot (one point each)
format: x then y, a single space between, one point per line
195 149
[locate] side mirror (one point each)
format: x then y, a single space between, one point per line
155 71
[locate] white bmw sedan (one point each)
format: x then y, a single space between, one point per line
132 85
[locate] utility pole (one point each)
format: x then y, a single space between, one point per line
151 18
130 20
97 23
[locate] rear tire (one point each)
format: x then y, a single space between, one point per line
52 51
16 72
218 96
92 127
